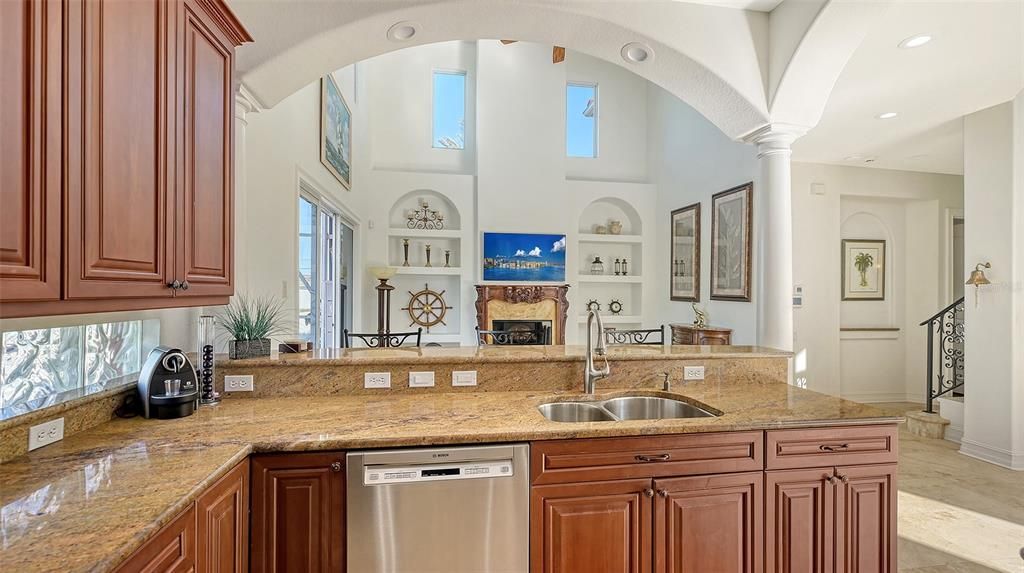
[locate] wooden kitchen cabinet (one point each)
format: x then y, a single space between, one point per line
831 519
709 523
222 516
298 513
121 132
171 550
595 526
30 136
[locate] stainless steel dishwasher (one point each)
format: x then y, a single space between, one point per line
439 510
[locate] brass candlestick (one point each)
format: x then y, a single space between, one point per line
428 255
447 258
405 248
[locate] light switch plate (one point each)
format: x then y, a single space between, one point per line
376 380
45 434
693 373
242 383
421 379
464 378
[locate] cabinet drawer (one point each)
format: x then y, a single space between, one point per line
563 461
171 550
830 446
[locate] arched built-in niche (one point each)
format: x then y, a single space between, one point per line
622 282
414 200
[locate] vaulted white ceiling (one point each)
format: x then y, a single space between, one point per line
975 60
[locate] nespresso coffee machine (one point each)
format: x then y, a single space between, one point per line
168 387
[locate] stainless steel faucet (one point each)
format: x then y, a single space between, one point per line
592 373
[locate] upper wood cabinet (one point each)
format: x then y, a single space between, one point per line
131 205
30 150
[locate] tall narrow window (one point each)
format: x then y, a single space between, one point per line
308 284
449 110
581 120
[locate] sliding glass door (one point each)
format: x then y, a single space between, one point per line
325 249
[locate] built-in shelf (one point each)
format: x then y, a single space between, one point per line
595 238
425 233
429 270
613 318
628 279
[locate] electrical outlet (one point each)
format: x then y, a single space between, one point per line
464 378
376 380
238 383
421 379
45 433
693 373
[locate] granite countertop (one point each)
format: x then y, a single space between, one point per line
499 354
86 503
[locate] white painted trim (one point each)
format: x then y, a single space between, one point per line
947 254
997 456
869 334
876 397
954 434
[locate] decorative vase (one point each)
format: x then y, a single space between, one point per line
239 349
615 227
600 229
597 267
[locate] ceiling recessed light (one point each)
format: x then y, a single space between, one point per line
887 115
636 53
402 31
916 41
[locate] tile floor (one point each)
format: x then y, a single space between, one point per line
956 514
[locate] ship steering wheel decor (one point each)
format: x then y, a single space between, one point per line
427 307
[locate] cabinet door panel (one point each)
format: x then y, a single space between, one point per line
207 194
171 550
800 516
298 513
30 151
119 226
868 519
222 513
596 526
709 523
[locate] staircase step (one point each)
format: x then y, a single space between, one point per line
926 425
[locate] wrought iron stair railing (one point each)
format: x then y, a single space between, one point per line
945 352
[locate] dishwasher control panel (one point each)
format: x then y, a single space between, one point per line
385 475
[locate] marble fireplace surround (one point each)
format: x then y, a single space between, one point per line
523 302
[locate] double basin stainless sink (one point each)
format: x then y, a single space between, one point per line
622 408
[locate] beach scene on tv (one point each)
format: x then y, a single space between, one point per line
524 257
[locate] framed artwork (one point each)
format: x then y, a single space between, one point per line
685 251
731 223
523 257
335 131
863 269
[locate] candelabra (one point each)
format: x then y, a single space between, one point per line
425 218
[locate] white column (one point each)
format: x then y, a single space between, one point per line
775 235
245 104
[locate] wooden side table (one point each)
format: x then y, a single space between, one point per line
708 335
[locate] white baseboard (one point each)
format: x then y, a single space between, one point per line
954 434
997 456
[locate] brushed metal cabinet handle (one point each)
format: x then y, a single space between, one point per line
830 448
654 458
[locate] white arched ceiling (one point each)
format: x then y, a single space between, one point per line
708 56
741 69
811 41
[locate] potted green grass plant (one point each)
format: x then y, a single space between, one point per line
251 321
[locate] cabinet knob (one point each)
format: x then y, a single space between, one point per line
656 458
184 285
649 492
662 493
830 479
174 285
844 477
335 466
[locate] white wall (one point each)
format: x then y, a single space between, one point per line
691 160
908 210
994 348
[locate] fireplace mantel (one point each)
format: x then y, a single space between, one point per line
527 302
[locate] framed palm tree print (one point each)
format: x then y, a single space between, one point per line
731 225
863 269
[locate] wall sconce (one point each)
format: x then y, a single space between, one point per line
978 278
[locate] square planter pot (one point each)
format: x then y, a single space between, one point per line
238 349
